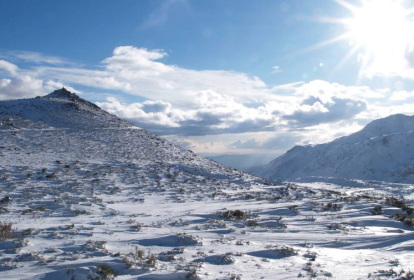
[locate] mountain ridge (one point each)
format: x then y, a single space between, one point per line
380 151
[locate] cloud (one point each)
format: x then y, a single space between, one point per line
138 72
401 95
9 67
33 57
248 144
278 142
186 144
211 113
221 106
282 141
326 112
325 91
155 106
409 55
196 102
276 69
22 87
25 86
160 15
137 114
320 102
52 85
130 62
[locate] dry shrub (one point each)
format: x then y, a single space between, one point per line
7 231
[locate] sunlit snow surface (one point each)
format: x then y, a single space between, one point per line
92 188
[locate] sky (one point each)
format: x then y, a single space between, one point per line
218 77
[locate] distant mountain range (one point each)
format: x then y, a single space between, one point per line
382 150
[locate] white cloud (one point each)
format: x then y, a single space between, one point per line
248 144
137 72
22 87
160 15
211 113
197 102
137 113
130 62
9 67
401 95
33 57
276 69
325 91
279 142
25 86
58 85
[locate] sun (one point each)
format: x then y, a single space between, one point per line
381 31
380 25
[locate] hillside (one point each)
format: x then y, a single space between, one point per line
380 151
85 195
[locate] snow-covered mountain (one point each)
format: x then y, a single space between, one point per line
85 195
62 121
382 150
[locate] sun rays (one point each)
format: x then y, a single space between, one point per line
381 31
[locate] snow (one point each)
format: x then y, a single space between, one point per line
92 193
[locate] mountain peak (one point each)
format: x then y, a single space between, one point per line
60 109
63 93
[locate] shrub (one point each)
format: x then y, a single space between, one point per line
286 251
409 222
136 227
377 210
234 215
252 223
128 262
337 227
106 272
5 200
7 231
293 208
138 254
192 275
152 260
50 176
332 206
400 216
80 212
399 204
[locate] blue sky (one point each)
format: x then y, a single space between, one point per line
218 76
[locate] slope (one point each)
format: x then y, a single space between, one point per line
380 151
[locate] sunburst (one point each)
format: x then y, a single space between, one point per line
380 30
